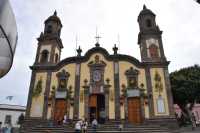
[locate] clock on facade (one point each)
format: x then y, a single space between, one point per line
96 76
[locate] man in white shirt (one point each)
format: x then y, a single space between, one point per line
78 126
94 124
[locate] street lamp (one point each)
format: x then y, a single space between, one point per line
8 36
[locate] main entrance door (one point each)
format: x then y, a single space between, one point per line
97 107
60 110
134 110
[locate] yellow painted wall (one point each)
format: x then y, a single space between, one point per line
155 94
85 74
71 112
122 111
123 66
109 73
38 102
49 112
70 68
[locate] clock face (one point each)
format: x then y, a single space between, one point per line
96 76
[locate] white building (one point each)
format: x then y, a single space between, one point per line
11 113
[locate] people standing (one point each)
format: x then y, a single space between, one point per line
94 125
78 126
193 120
8 129
65 119
1 130
102 116
85 125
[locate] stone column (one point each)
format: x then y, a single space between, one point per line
46 95
86 98
77 92
126 108
149 92
142 108
107 92
169 91
53 106
107 103
117 90
28 110
86 102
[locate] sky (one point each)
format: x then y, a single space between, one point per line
116 23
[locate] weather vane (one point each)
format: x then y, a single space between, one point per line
76 43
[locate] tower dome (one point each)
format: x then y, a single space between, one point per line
53 17
146 11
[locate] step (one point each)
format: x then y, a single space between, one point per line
106 128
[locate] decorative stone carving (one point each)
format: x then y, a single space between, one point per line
158 83
38 88
96 75
81 95
62 80
132 78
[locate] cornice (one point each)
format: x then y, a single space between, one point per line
104 52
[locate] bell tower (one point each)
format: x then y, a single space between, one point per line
150 37
49 42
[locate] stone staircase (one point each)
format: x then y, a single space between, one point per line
105 128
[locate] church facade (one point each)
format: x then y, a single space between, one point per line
99 84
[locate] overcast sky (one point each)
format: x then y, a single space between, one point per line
179 21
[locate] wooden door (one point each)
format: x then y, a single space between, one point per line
93 101
93 107
60 110
134 110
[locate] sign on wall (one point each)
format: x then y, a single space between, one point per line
133 93
61 94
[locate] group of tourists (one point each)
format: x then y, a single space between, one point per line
81 126
7 129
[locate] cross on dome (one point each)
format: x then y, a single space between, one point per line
97 37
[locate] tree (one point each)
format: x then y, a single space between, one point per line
185 84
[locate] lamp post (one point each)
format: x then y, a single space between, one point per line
8 36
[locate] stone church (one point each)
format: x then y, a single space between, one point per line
116 85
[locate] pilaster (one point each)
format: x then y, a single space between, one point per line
117 90
149 92
77 91
46 95
33 76
169 91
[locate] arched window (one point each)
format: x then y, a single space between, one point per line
56 58
44 56
49 29
148 23
153 50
